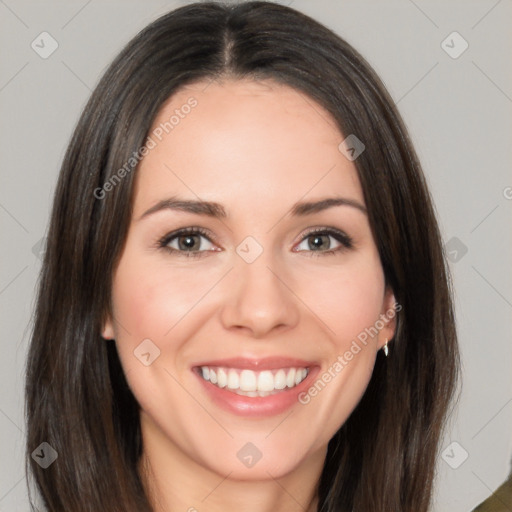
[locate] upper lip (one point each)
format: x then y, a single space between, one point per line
265 363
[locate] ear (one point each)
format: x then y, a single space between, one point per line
107 331
390 309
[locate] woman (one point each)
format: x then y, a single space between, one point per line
190 352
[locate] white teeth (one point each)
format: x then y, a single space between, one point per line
222 378
250 383
265 381
233 380
280 379
290 378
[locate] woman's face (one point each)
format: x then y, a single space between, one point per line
255 297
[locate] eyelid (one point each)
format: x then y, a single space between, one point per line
323 229
189 229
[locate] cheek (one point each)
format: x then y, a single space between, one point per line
160 301
150 299
138 303
348 299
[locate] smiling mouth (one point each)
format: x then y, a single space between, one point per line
251 383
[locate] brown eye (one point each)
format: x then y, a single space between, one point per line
325 241
187 242
319 242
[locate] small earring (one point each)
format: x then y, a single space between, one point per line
385 348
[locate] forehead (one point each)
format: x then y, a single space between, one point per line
246 141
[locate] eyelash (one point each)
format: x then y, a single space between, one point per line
344 239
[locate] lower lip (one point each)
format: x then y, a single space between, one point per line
260 406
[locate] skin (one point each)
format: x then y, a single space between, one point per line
257 148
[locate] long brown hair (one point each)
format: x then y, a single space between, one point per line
77 400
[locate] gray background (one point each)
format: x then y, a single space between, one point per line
458 111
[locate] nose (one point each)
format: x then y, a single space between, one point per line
259 299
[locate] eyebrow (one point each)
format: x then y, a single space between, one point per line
216 210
